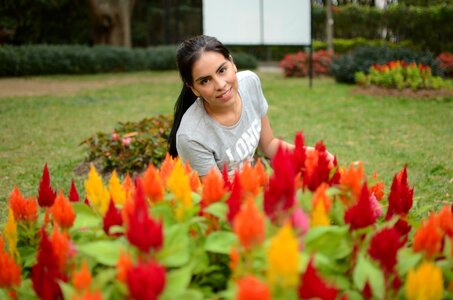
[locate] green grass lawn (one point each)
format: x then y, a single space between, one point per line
384 132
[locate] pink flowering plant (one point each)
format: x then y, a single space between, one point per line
305 228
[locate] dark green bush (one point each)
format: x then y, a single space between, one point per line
345 66
131 146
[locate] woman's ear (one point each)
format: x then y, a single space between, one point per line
194 91
234 65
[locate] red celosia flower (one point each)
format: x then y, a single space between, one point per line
318 168
10 271
82 279
280 194
234 201
361 214
143 231
402 227
384 247
24 210
226 179
213 188
45 274
249 225
251 288
367 293
62 212
112 217
73 194
46 194
400 197
428 238
313 286
152 184
146 281
299 154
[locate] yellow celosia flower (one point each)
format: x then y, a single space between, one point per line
178 183
116 189
10 232
319 216
97 194
283 258
425 283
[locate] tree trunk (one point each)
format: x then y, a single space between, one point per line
112 21
329 26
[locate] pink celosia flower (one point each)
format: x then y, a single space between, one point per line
146 280
46 194
126 141
376 206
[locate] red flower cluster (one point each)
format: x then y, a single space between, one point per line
146 281
46 194
384 247
361 214
312 286
112 217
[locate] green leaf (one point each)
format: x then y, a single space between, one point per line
86 217
407 260
175 252
332 241
177 282
190 295
365 271
67 290
105 252
218 209
26 291
220 242
162 210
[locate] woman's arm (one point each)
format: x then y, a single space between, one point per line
268 143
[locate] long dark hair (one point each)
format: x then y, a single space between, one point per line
187 54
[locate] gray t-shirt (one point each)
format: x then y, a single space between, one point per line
205 143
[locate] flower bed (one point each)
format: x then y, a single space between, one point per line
305 229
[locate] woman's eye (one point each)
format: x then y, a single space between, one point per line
204 81
223 70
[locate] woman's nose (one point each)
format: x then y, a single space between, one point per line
219 83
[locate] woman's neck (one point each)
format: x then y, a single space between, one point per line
228 115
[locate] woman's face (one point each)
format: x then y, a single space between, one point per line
215 80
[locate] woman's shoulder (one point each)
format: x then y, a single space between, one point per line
247 75
192 118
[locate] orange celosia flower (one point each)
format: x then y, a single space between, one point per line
82 279
24 210
351 179
378 188
128 187
166 168
213 188
10 232
249 225
117 191
261 173
445 220
250 181
194 178
62 211
428 237
123 265
61 246
251 288
152 184
10 271
234 259
320 195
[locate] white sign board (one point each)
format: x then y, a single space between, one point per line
258 22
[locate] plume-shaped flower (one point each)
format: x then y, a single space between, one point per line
96 192
73 194
45 274
299 154
146 280
428 238
46 194
312 286
250 180
62 212
234 201
319 216
320 195
61 245
318 168
251 288
361 214
249 225
280 194
401 196
10 271
283 258
178 183
226 178
128 187
377 188
445 220
123 265
351 180
24 210
10 232
425 282
113 217
166 168
213 188
117 192
143 231
300 221
152 184
82 278
194 178
384 247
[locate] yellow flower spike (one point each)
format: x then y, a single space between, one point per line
424 283
178 183
116 189
96 193
10 232
319 216
283 258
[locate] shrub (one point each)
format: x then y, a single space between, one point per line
131 146
297 65
446 63
396 74
345 66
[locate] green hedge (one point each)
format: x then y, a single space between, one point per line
345 66
67 59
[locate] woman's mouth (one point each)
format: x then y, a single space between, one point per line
225 96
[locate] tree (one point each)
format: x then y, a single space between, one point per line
112 21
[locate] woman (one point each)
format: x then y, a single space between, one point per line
221 114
